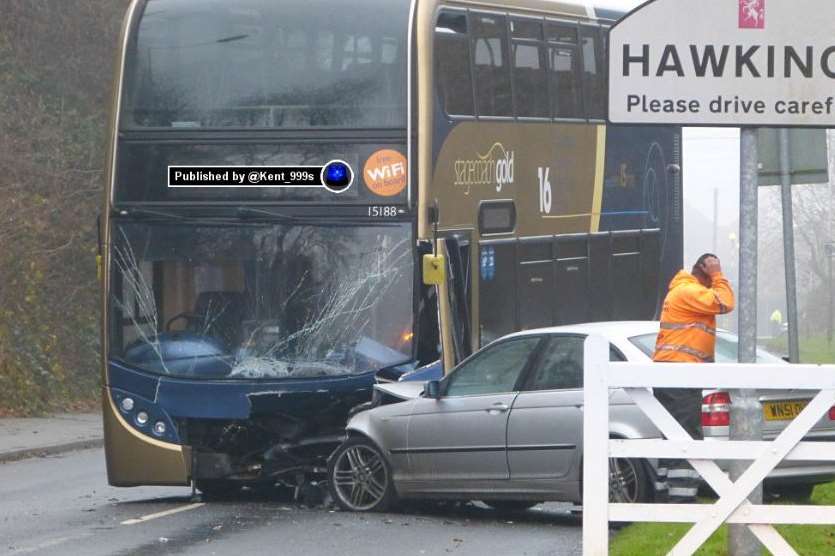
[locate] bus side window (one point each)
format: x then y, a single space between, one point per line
452 63
530 76
492 70
563 66
594 80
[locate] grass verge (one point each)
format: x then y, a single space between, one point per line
649 539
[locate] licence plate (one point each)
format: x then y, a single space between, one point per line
783 411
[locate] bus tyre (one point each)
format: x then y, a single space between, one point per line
360 478
218 489
510 506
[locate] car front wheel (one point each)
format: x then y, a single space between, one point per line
360 477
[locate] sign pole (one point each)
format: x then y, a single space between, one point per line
746 414
788 245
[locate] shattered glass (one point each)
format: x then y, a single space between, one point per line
258 301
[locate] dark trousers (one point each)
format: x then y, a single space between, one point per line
677 481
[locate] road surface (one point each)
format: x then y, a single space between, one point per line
62 505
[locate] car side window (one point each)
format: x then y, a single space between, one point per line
561 365
494 370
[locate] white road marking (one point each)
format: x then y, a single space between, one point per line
158 515
48 544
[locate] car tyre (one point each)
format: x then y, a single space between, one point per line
360 478
509 506
629 481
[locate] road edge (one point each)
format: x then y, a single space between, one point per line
43 451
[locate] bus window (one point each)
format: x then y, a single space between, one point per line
564 70
529 69
452 59
594 84
254 63
492 76
496 217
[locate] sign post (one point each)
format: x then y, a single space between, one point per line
787 157
727 63
746 413
788 246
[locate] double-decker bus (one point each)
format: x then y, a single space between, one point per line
464 185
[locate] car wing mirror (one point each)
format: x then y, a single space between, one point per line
432 390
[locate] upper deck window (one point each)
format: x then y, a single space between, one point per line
452 62
594 78
492 75
267 64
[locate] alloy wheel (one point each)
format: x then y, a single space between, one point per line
623 481
360 477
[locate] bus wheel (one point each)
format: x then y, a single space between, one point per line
360 477
218 489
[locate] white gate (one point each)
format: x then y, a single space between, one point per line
732 506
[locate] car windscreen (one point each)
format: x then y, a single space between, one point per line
267 64
260 301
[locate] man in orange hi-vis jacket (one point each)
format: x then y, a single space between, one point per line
688 335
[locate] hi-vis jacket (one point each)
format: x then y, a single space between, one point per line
688 319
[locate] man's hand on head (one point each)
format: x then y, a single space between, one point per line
711 266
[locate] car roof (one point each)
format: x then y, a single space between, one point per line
610 329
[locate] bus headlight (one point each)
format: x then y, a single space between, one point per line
159 428
127 405
142 418
144 415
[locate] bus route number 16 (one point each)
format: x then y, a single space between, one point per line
544 191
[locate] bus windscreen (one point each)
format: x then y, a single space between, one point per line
261 301
265 64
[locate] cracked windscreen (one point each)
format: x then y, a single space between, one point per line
260 301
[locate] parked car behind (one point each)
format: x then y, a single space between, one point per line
792 479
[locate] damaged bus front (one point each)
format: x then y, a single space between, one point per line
241 324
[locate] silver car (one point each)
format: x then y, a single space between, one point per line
505 427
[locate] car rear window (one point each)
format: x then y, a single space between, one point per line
645 343
727 348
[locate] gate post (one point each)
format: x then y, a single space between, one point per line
596 447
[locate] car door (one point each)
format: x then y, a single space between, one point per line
462 435
545 426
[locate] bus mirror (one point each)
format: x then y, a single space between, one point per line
434 270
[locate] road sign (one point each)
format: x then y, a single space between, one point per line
724 62
808 162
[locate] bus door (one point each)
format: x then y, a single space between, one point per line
458 289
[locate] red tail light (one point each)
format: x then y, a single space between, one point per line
832 413
716 410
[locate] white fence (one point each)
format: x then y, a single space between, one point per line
732 506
